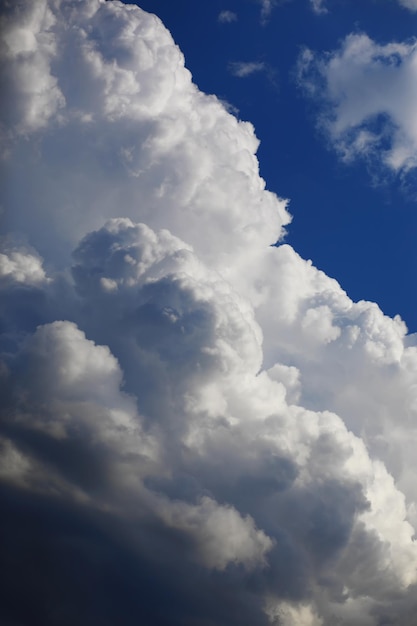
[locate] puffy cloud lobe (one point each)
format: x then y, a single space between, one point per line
66 395
156 293
297 483
124 84
68 401
29 82
16 266
176 423
314 329
369 95
221 533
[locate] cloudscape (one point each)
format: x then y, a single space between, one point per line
199 428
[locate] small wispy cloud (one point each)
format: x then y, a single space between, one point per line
266 8
318 6
409 4
226 17
242 69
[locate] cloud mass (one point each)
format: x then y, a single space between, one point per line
369 97
197 425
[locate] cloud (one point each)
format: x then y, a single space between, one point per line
409 4
266 9
226 17
318 6
197 426
242 69
21 268
367 95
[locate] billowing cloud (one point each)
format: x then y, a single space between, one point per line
369 96
197 426
227 16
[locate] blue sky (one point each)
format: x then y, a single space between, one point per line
198 427
356 225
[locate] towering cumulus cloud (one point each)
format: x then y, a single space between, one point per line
198 427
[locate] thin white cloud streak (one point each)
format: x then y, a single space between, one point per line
190 412
368 96
319 7
243 69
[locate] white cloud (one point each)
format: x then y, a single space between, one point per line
369 96
131 90
242 69
21 267
179 398
226 17
30 82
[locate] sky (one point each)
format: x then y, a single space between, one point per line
208 365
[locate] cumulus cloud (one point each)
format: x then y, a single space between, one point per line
227 16
368 95
21 268
197 426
